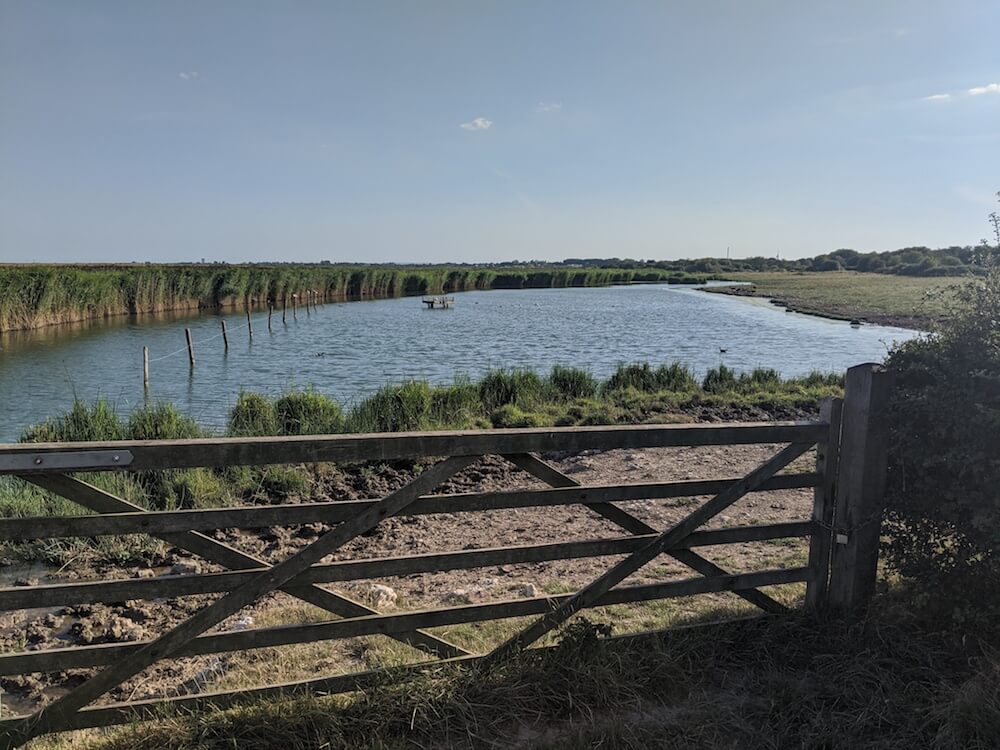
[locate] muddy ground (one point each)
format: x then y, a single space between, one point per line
140 620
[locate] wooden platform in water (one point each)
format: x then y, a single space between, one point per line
439 303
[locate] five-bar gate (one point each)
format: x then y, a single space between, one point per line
848 481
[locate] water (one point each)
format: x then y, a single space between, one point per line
349 350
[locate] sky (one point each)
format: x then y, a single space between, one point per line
488 131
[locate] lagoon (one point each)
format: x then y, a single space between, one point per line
348 350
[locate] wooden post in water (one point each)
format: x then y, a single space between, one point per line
249 323
225 335
187 334
295 298
145 367
861 478
284 309
270 310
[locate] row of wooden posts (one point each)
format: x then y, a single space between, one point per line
311 297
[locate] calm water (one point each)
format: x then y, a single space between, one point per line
348 350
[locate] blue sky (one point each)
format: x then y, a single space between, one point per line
478 131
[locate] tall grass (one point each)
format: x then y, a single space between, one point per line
503 398
308 413
572 383
393 408
643 377
517 387
757 683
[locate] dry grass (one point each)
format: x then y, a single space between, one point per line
763 683
879 298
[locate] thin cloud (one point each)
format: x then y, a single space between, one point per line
549 106
480 123
189 75
989 88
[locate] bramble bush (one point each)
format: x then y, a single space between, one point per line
943 496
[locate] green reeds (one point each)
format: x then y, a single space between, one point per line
32 296
674 377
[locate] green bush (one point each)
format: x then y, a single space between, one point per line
944 463
572 383
720 379
308 413
253 415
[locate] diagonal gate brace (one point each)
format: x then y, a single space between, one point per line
169 643
223 554
552 476
590 594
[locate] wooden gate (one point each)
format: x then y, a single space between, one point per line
848 482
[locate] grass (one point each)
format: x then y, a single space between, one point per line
634 394
914 302
781 682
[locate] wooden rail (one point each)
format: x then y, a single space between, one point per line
247 578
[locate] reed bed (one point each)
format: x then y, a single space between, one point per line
33 296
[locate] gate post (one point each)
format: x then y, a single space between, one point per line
827 459
860 490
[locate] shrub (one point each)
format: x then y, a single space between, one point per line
252 415
719 379
308 413
572 383
944 463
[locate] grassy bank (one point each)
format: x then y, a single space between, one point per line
636 393
32 296
908 302
773 683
